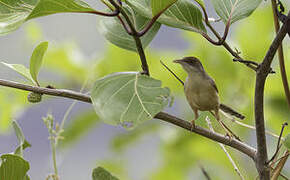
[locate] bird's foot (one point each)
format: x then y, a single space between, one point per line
192 125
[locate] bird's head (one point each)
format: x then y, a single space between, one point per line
190 64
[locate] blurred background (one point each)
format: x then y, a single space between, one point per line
155 150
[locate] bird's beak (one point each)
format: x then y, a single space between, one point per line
179 61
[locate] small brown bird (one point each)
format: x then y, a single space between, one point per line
202 93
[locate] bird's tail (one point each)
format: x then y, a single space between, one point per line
230 111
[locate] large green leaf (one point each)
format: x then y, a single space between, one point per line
22 70
13 13
13 167
128 98
100 173
236 9
47 7
36 60
160 5
183 14
115 33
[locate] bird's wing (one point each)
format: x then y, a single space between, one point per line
214 85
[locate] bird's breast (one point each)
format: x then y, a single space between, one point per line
200 93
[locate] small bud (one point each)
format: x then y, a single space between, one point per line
34 97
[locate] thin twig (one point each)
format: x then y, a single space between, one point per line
251 64
172 73
226 151
279 140
204 172
280 166
240 146
281 55
262 73
221 40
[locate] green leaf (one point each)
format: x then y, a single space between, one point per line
23 144
22 70
115 33
18 131
128 98
160 5
78 127
183 14
21 147
36 60
287 141
234 9
13 167
100 173
13 13
47 7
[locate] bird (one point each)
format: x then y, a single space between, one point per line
202 93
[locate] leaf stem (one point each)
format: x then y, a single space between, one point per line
53 149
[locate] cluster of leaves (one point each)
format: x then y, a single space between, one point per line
139 97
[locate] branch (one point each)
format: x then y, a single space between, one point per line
280 165
133 32
281 55
262 73
240 146
279 140
221 40
251 64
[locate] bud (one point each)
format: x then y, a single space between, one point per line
34 97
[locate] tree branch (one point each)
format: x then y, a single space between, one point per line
133 32
221 40
281 55
240 146
262 73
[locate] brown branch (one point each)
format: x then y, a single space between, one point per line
280 165
240 146
281 55
133 32
278 144
221 40
262 73
251 64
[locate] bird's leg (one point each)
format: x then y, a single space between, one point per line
228 131
195 118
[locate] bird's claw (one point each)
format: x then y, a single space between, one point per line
192 125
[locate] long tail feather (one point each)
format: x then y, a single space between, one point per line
230 111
